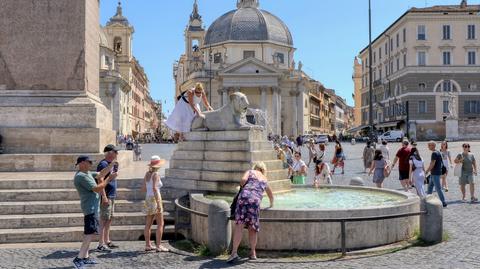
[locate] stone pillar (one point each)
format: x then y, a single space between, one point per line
294 96
224 96
219 227
263 99
431 223
276 115
49 78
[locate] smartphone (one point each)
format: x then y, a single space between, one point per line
115 167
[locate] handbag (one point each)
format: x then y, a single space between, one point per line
457 171
233 206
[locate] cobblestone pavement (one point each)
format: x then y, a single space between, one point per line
461 223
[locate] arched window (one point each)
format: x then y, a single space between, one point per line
447 85
117 44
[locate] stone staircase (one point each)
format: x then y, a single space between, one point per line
45 207
216 161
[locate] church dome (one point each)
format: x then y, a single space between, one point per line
248 23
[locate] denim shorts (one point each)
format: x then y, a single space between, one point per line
90 225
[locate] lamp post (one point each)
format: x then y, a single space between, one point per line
370 82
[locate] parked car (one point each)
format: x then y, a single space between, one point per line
393 135
321 139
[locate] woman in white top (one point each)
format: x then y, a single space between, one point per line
187 107
153 208
385 151
417 172
299 168
322 174
447 162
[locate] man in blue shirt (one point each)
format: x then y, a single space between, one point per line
435 168
107 206
88 186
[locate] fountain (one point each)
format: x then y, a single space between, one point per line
211 162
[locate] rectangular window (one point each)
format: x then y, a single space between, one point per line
447 86
422 58
386 48
421 33
471 32
217 58
446 58
280 57
391 44
398 63
398 40
380 53
391 66
248 54
422 107
380 73
472 107
472 58
404 35
446 32
405 60
445 107
374 57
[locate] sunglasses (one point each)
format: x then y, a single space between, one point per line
198 92
467 146
297 155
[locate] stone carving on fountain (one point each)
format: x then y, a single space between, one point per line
220 148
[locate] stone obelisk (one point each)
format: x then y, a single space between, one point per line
49 78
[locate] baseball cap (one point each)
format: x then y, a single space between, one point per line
405 142
110 147
84 158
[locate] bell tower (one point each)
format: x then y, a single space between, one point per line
194 36
120 35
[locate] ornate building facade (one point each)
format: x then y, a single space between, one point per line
124 83
252 51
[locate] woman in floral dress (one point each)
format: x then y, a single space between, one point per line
254 184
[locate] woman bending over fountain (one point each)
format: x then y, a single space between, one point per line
322 174
187 107
254 184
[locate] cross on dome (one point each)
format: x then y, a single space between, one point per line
247 3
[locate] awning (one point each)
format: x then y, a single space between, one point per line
388 124
359 128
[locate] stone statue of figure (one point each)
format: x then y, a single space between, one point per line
452 105
300 65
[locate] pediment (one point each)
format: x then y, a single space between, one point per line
250 66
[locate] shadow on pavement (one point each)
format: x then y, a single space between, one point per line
61 254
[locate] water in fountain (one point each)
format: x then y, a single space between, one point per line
261 118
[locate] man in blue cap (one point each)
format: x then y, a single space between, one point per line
88 185
107 205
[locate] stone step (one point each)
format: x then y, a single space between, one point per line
225 156
221 166
244 135
41 162
221 186
72 234
226 176
59 207
70 220
225 146
58 183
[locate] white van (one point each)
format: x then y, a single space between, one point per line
393 135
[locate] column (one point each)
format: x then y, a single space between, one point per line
293 95
263 100
276 115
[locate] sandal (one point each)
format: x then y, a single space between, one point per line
162 249
150 249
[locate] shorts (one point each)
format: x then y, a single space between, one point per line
466 179
90 224
106 211
403 175
150 206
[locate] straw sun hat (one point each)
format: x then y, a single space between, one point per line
156 162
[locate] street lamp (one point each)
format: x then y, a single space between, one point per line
370 82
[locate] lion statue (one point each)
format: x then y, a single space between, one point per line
231 116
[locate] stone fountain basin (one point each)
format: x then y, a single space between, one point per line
324 236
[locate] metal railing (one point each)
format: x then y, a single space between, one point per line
342 221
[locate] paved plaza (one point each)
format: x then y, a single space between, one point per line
461 224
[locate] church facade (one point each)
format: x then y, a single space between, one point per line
251 51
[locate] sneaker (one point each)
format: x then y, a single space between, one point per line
112 245
103 248
233 258
445 205
78 263
89 261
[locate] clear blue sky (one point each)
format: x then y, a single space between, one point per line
328 34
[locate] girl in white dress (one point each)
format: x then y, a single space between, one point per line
187 107
417 172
